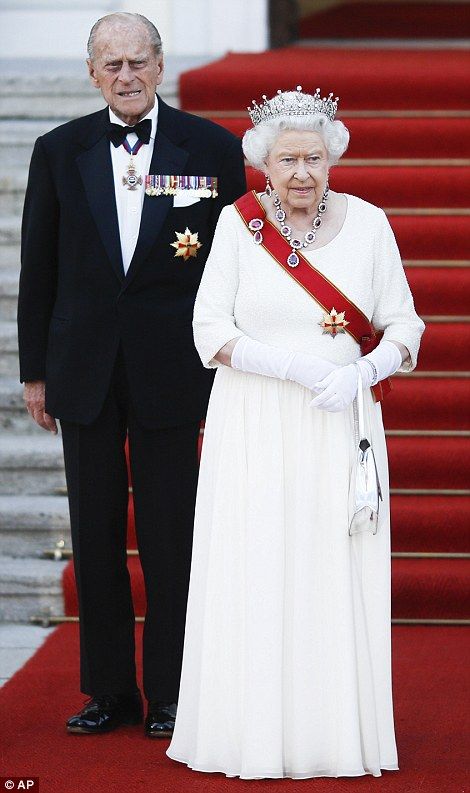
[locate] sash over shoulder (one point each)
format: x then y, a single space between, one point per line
317 285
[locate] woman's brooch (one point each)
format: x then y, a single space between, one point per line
334 322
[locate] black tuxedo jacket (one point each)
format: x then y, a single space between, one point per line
76 306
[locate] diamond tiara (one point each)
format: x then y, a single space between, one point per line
293 103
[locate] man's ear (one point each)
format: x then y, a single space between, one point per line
92 73
161 65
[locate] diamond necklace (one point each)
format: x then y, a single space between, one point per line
286 231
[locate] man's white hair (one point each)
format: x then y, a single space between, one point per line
258 141
125 18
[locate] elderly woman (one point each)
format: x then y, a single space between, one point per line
286 669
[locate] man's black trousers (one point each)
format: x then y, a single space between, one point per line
164 470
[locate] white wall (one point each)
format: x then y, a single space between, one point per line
59 28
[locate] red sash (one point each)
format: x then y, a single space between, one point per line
323 291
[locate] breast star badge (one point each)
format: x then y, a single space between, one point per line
187 244
334 322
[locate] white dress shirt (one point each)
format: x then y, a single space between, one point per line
129 202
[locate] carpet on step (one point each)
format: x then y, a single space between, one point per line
390 137
431 589
444 347
421 588
429 462
362 78
431 524
421 403
440 290
388 21
432 237
395 186
419 236
430 711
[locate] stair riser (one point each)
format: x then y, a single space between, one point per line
30 481
25 544
419 589
20 607
47 107
8 304
395 186
18 422
429 463
9 255
9 363
425 404
416 238
11 203
430 524
440 290
391 137
446 300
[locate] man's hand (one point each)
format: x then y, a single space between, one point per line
34 396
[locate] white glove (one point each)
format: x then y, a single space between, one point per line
339 388
380 363
253 356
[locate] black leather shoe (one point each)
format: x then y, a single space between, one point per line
160 721
106 712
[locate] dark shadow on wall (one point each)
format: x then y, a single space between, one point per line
284 18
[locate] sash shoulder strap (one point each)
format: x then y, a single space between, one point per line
334 302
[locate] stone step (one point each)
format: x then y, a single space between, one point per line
8 294
31 465
9 349
12 189
10 231
9 257
29 587
59 96
30 525
14 418
23 133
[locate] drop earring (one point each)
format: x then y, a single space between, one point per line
268 189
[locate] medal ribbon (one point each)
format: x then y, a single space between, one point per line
133 149
317 285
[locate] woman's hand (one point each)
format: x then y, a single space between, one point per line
307 370
249 355
337 390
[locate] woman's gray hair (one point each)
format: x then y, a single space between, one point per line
258 141
125 17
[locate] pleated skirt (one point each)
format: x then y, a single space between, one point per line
286 668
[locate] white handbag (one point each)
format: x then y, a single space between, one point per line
364 488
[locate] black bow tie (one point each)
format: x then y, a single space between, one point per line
117 133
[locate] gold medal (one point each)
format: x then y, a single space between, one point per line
334 322
187 244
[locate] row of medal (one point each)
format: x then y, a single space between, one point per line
167 184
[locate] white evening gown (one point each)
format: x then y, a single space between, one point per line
286 669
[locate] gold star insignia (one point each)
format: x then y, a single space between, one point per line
187 244
334 322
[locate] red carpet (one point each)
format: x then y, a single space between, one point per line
364 79
422 588
440 290
402 187
389 137
430 687
435 524
421 404
389 20
430 710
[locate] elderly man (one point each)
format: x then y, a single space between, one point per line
111 262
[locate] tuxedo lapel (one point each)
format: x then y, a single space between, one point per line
167 158
96 170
